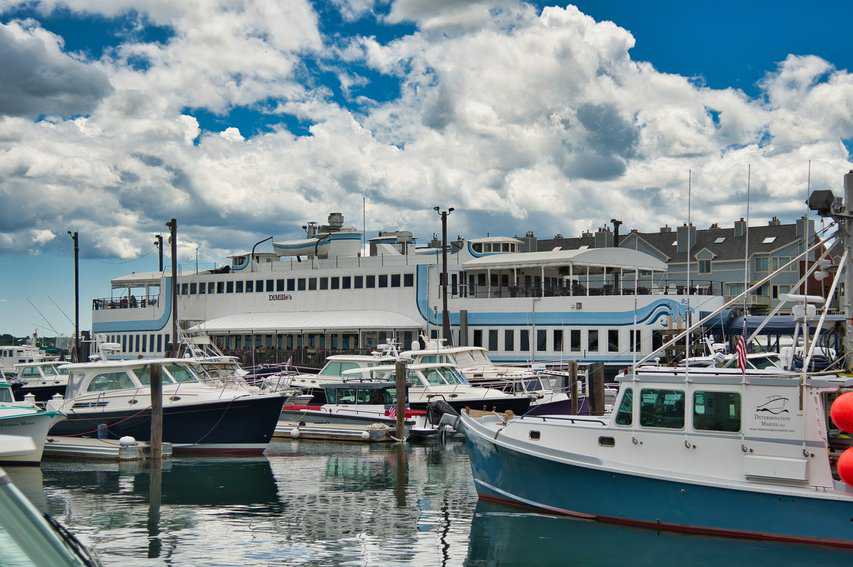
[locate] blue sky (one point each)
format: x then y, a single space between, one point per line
252 123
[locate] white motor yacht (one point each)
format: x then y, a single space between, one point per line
42 379
114 398
23 419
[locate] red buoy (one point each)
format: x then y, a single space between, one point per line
841 412
845 466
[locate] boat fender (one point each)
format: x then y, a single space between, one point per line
294 433
365 435
845 466
841 412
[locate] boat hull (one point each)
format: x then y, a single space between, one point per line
243 426
319 416
34 426
512 475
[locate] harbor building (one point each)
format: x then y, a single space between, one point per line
716 254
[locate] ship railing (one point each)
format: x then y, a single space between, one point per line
125 302
667 287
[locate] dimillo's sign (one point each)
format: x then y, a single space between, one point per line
280 297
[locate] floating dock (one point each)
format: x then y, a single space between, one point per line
374 433
101 449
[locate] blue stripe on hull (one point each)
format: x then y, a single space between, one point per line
505 474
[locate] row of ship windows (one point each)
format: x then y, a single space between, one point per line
146 342
597 340
298 284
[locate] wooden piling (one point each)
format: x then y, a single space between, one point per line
156 443
596 387
572 389
401 388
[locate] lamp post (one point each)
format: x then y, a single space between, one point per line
445 315
76 355
616 224
158 242
173 241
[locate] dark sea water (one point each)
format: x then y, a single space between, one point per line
309 503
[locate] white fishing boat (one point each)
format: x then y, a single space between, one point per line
115 397
23 419
20 354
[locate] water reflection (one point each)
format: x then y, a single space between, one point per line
505 536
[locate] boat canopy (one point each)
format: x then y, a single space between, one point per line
307 321
137 279
624 258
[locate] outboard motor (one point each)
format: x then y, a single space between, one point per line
437 408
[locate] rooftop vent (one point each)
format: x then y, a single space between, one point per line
774 221
666 228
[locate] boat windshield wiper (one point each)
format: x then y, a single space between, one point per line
76 545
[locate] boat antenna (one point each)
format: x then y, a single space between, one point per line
746 250
805 287
689 225
363 222
634 333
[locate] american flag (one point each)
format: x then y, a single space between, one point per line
741 354
392 411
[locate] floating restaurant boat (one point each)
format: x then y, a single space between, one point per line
115 397
22 419
324 296
42 379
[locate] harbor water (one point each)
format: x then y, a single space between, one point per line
308 503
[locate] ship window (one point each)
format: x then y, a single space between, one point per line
370 281
558 340
110 381
192 288
346 282
478 337
124 343
202 288
211 287
336 282
358 282
291 284
636 340
324 283
509 340
493 339
220 287
613 340
383 280
259 286
716 411
250 286
409 281
626 408
279 285
185 289
270 285
592 340
541 340
575 340
239 287
478 247
525 339
662 408
230 287
180 373
144 375
159 343
395 280
312 284
150 343
300 284
331 369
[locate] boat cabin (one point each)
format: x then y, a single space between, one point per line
116 375
417 375
136 290
360 393
41 372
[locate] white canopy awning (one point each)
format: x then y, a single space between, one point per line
137 279
598 257
307 322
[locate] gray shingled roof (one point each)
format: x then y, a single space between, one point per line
730 248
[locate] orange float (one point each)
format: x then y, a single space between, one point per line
845 466
841 412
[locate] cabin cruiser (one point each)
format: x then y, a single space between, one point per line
113 398
356 402
42 379
442 381
24 419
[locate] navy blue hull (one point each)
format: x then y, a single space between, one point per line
507 475
248 422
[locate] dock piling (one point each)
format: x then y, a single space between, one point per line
572 388
156 415
402 397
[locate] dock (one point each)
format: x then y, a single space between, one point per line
374 433
61 447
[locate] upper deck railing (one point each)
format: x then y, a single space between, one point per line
664 287
125 302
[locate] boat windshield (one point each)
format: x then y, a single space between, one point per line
453 376
533 385
143 373
180 373
5 394
431 358
434 376
52 370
